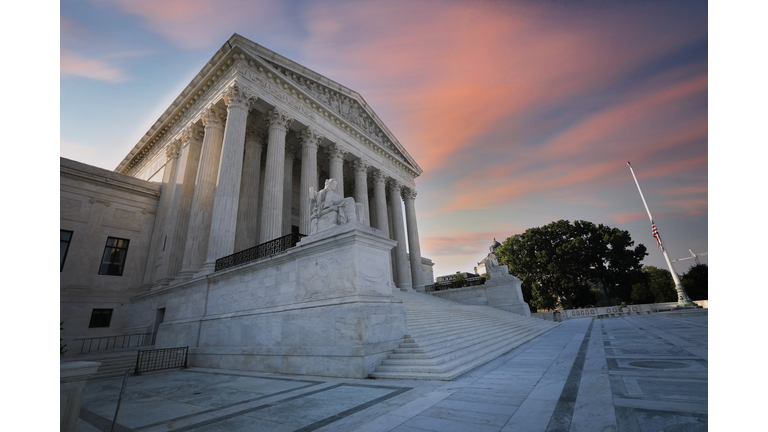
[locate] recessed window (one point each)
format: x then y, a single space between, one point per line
100 318
113 260
66 238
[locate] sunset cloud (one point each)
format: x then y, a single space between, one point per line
75 65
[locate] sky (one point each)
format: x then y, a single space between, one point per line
520 113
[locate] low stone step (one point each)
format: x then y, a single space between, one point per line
447 339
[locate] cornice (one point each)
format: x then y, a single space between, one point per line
107 183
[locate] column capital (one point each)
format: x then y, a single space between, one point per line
278 118
335 151
409 194
394 186
360 166
193 132
290 152
173 149
237 96
214 117
310 137
255 134
379 177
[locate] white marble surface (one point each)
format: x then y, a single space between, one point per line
324 307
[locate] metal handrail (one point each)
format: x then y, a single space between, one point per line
140 339
263 250
441 286
159 359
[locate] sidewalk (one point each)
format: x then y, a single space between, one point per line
645 373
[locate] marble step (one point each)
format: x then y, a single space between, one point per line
446 339
461 367
445 330
450 353
431 344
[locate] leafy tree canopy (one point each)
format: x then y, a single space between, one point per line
655 286
560 263
696 282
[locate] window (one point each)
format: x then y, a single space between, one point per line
100 318
114 257
66 238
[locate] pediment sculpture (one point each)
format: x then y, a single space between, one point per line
330 209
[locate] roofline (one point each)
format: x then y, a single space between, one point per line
177 109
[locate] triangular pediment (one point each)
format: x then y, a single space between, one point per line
346 103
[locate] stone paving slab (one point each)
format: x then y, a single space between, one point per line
628 374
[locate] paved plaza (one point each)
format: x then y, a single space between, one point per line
631 374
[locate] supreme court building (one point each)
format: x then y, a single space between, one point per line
230 165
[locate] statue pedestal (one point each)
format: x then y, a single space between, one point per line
504 291
324 307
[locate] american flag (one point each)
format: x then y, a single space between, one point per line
656 235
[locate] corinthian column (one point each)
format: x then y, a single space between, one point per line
401 256
156 257
309 139
414 249
199 227
278 123
380 198
224 217
192 139
336 159
248 209
360 168
290 157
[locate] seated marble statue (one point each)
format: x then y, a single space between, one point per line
329 208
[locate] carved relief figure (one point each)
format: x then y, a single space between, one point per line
345 108
334 104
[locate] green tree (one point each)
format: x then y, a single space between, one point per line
655 286
696 282
561 263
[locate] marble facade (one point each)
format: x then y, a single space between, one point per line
232 164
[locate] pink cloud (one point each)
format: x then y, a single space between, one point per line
198 23
625 218
460 243
452 73
73 64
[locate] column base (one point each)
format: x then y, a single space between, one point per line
420 288
184 276
208 268
406 288
162 283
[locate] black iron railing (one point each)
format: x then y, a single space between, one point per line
117 342
263 250
159 359
441 286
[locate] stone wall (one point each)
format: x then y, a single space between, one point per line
322 308
96 204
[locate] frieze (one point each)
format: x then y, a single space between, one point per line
105 203
102 183
124 214
69 203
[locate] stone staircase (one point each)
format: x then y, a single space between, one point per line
113 363
446 339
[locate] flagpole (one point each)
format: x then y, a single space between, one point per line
683 301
